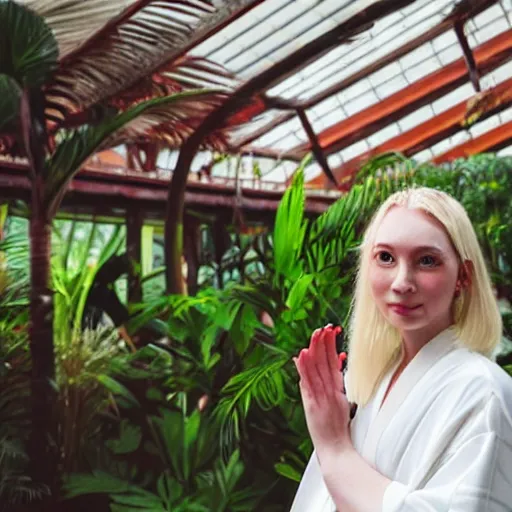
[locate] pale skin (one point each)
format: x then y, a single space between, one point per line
415 275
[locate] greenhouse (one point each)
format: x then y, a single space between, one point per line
187 190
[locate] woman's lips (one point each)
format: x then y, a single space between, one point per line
402 309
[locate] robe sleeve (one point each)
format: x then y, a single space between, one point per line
476 477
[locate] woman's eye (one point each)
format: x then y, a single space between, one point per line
385 257
428 261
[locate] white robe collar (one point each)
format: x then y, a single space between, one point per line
434 350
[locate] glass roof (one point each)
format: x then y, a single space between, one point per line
275 29
363 93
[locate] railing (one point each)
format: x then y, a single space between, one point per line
164 175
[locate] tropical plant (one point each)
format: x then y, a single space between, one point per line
16 486
223 352
58 127
75 266
188 482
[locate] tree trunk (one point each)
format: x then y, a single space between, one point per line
174 218
42 443
191 252
134 224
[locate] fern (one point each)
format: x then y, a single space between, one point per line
263 384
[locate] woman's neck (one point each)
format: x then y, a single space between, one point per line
414 341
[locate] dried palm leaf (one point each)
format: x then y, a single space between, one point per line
77 146
172 124
138 43
75 21
187 72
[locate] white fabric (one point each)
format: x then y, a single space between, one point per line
443 436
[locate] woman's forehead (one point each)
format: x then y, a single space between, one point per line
411 227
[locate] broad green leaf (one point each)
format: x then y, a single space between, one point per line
155 394
145 502
289 228
298 291
29 50
129 440
116 388
288 471
9 103
99 482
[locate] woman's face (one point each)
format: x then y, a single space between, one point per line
413 271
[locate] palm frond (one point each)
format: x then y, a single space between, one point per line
75 21
29 48
17 489
80 144
142 41
263 385
172 124
9 102
289 228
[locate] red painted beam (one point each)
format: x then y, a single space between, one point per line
494 140
422 136
488 56
463 11
112 191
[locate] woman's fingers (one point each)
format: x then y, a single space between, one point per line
341 360
319 366
314 337
313 384
322 359
314 346
304 383
330 350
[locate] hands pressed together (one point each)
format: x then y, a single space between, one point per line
321 384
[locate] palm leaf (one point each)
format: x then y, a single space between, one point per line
75 21
289 227
29 49
78 145
99 482
172 124
263 384
9 102
136 44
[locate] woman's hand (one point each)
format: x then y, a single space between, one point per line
321 385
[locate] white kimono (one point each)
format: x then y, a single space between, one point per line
443 436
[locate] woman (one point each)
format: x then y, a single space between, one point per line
433 429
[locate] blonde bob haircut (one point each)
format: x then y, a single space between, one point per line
375 346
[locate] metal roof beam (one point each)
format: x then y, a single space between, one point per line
488 57
466 10
468 56
317 150
422 136
494 140
290 64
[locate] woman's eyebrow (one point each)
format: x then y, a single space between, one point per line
419 248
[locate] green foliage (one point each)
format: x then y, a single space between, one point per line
216 491
289 230
207 416
9 102
191 478
75 264
29 48
76 146
16 487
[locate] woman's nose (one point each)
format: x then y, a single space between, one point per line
404 280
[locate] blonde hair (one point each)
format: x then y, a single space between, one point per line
375 345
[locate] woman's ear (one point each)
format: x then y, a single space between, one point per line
466 272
